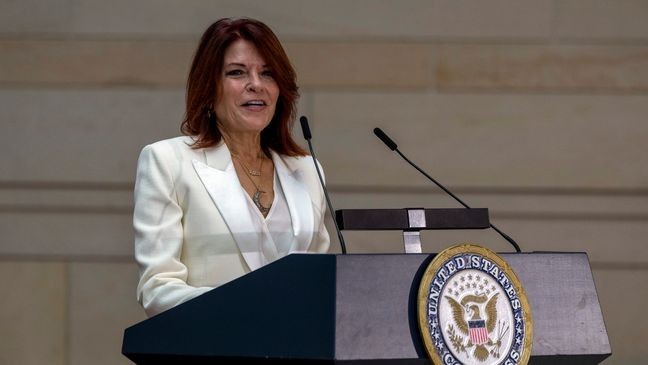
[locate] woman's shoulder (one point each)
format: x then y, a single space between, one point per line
171 149
172 143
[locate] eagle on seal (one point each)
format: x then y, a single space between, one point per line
477 328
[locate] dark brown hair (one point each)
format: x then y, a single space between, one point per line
205 77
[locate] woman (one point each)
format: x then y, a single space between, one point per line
236 192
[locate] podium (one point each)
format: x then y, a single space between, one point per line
359 309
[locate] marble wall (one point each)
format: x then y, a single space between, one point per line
533 108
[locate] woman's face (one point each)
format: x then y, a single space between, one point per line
248 93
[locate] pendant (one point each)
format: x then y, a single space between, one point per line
256 199
254 172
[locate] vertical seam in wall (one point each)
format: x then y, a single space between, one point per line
308 104
553 22
432 62
66 314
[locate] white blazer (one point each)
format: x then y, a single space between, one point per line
193 229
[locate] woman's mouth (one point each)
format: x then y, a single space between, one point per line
254 103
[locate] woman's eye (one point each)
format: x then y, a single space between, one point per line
267 73
234 73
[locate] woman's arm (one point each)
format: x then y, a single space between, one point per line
157 221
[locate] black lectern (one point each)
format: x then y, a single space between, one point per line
358 309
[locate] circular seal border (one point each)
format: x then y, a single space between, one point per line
439 260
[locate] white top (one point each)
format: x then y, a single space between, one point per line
277 223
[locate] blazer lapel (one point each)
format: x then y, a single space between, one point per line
299 203
221 182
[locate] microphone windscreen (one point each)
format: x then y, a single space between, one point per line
386 140
305 129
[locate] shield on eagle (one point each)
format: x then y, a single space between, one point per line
477 332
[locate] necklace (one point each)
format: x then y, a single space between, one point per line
256 197
249 170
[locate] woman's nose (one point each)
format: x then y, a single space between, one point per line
254 83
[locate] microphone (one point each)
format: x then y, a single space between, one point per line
392 146
305 128
307 136
386 140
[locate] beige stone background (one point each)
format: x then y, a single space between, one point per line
536 109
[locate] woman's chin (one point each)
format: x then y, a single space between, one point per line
256 122
253 127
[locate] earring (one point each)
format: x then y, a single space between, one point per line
210 115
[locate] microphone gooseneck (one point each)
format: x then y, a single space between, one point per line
392 146
307 136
